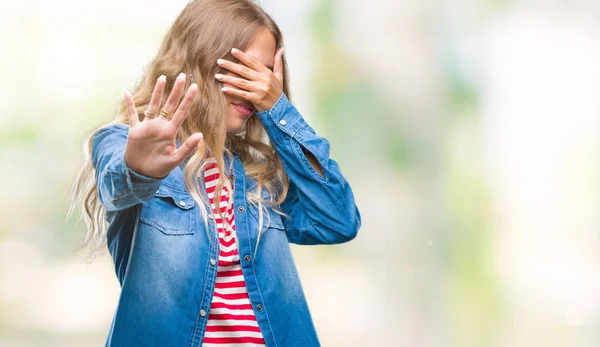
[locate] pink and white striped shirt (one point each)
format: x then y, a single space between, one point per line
231 321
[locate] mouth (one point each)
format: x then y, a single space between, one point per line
244 108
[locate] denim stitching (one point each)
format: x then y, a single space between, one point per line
261 297
307 165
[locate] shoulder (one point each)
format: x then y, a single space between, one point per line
113 127
114 130
111 136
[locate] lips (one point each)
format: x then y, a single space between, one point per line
244 108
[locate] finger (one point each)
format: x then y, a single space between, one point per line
249 61
238 69
132 113
188 147
241 83
184 107
156 97
241 93
175 95
278 65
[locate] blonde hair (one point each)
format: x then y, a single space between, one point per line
203 32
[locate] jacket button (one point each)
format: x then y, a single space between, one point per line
213 261
282 122
259 307
202 313
241 208
247 258
182 203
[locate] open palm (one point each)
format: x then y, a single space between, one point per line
151 148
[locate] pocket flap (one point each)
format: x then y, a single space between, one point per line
275 221
182 199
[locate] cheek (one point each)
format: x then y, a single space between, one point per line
232 114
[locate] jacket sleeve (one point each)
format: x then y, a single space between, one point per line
322 209
119 187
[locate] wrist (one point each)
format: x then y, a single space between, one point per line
140 175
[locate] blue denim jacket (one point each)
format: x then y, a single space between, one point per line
164 258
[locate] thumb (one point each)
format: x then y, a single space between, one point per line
188 147
278 64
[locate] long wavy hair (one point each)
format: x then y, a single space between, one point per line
204 31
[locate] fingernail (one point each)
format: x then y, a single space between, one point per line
219 61
181 75
162 77
218 76
224 89
281 50
234 50
127 92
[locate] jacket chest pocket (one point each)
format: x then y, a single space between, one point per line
271 219
170 211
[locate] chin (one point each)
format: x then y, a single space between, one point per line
236 125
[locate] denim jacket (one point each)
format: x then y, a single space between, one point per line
165 259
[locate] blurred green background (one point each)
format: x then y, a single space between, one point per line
469 131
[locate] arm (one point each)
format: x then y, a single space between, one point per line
119 187
319 200
148 145
321 206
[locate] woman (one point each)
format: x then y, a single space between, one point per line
199 186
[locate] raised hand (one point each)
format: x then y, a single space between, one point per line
257 83
151 148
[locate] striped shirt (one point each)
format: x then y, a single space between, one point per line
231 321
